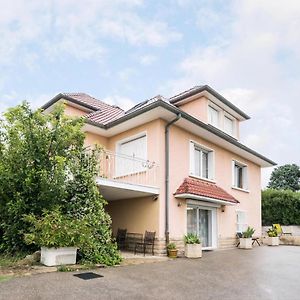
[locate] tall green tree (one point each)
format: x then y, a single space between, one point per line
286 177
43 163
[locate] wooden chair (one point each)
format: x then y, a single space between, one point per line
121 238
148 242
280 230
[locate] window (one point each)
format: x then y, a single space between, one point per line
241 224
131 155
213 116
201 164
239 175
228 125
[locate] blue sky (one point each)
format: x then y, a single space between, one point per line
125 51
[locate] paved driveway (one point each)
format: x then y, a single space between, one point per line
261 273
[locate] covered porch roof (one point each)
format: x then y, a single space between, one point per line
115 190
198 189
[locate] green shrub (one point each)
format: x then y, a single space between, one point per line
171 246
272 232
279 206
56 230
248 233
192 238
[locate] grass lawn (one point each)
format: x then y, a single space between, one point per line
5 277
9 261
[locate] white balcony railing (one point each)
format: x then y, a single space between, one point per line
128 169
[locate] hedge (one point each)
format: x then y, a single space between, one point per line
280 206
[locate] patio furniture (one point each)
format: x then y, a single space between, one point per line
132 239
255 240
121 238
239 235
280 230
148 242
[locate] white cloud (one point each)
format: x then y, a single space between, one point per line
76 28
123 102
253 61
147 59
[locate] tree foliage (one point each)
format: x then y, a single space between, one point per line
280 206
43 163
285 177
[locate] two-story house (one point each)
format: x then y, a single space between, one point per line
174 165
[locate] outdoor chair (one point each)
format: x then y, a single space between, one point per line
280 230
148 242
132 239
121 238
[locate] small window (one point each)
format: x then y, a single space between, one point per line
201 162
228 125
239 175
241 224
213 116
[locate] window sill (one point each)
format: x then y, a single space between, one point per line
239 189
202 178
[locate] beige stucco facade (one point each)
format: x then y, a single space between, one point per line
148 213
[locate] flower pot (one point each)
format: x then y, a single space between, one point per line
172 253
273 241
245 243
58 256
193 250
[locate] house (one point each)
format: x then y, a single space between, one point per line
174 165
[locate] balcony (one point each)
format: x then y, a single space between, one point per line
123 177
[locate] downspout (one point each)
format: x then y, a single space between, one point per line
167 174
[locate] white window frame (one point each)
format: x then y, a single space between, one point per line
234 125
217 108
241 227
245 186
119 154
211 166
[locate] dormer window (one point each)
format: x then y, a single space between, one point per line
213 116
228 125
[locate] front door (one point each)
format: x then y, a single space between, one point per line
202 221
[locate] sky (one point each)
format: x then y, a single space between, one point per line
126 51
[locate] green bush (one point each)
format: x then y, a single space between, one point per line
248 233
171 246
56 230
272 232
192 238
279 206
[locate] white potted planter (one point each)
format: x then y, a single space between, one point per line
193 246
245 243
58 256
273 238
246 239
273 241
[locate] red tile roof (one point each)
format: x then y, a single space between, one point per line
203 188
103 114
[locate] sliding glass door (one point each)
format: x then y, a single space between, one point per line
202 221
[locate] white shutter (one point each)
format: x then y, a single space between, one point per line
192 158
137 149
211 167
245 178
233 173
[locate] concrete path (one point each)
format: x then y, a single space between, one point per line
261 273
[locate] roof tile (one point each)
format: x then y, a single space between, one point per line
203 188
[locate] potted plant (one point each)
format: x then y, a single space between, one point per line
273 238
58 236
193 247
246 239
172 250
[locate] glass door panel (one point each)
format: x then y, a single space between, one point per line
192 220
